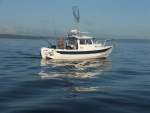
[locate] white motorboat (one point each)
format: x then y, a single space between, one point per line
79 45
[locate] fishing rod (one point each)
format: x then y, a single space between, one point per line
46 40
52 46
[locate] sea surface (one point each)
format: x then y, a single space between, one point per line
117 84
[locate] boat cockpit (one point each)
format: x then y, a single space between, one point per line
76 39
72 43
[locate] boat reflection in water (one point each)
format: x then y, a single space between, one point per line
79 75
74 69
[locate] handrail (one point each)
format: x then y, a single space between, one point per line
105 41
79 33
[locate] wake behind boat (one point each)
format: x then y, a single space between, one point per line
79 45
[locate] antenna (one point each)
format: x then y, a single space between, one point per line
54 25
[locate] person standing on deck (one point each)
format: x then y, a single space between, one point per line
60 43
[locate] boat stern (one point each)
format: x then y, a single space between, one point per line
46 52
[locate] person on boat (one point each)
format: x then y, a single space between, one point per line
60 43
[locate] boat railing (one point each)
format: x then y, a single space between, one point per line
105 42
79 34
84 33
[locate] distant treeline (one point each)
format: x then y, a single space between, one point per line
12 36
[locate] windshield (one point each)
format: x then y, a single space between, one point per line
72 41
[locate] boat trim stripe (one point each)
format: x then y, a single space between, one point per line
83 52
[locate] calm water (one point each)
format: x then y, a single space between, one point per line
118 84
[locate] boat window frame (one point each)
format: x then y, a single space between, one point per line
85 42
82 41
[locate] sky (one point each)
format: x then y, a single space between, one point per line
103 18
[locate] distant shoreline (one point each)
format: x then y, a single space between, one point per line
11 36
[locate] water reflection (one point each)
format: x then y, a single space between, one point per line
77 76
54 69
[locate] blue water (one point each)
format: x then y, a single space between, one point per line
118 84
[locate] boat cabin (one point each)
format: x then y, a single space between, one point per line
78 40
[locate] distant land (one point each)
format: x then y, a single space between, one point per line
38 37
12 36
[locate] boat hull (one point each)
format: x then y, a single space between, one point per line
50 53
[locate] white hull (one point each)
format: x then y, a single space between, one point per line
50 53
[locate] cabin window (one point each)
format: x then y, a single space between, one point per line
88 41
82 41
85 41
